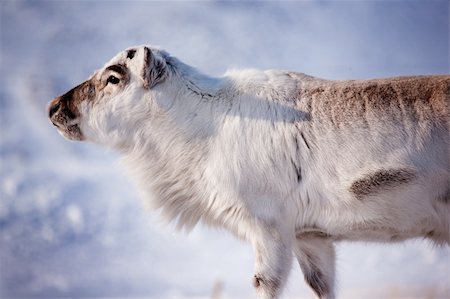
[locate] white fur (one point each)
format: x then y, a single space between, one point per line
223 151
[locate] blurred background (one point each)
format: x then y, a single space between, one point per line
72 225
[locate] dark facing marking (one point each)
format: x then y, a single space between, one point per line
316 281
70 100
53 109
118 68
297 148
431 234
256 281
314 277
298 171
445 198
68 96
381 179
130 53
154 69
270 285
296 167
64 109
68 113
145 69
196 90
304 140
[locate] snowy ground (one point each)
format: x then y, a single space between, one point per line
71 224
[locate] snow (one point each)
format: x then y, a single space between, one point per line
72 225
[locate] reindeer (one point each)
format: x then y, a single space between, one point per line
289 162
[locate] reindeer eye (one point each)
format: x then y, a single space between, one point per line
112 79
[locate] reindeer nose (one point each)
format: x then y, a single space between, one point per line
54 107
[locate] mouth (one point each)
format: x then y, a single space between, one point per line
75 132
71 132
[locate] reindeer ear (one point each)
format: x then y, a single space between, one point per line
154 69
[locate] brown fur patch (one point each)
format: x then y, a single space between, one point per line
312 233
68 103
379 180
86 91
404 100
118 68
64 109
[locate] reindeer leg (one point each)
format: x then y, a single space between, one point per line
316 257
272 246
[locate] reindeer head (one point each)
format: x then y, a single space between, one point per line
113 100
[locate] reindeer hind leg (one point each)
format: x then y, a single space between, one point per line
316 257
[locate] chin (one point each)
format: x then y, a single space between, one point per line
72 133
